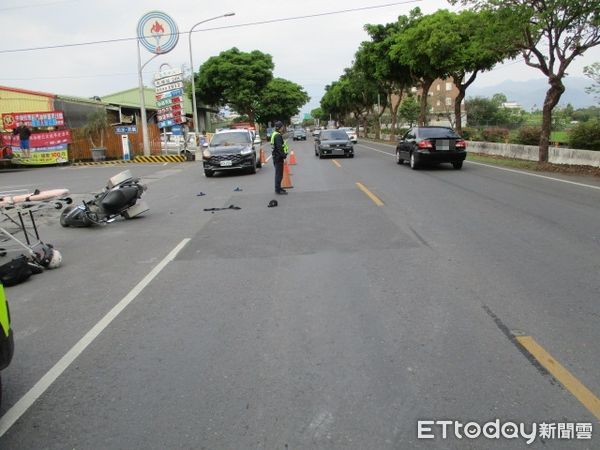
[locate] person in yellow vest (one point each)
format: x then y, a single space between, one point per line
6 336
280 152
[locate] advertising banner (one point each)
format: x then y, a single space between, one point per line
40 156
47 139
10 121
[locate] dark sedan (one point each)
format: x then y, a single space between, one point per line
333 143
431 145
299 134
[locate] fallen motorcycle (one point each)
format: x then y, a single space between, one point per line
120 198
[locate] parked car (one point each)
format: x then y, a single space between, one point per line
333 143
422 145
299 134
351 134
230 150
173 144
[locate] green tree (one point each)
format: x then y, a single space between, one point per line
394 79
95 127
409 110
235 78
593 72
362 93
585 114
280 100
414 47
366 60
556 33
481 111
335 103
354 93
318 113
480 40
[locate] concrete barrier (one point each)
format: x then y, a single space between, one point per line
556 155
576 157
517 151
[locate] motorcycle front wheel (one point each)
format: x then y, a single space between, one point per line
68 218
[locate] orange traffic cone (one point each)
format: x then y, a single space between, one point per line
292 158
263 158
286 181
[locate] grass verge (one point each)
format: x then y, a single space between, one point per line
533 165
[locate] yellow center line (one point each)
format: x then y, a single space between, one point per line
576 387
336 163
372 196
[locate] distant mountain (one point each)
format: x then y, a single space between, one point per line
530 94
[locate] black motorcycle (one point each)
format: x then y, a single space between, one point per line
120 198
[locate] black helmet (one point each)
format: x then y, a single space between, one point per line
278 125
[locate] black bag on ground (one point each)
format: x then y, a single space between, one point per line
15 271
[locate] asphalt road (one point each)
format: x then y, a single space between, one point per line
336 320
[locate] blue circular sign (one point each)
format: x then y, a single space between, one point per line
157 32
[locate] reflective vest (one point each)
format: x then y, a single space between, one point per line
286 149
4 317
7 345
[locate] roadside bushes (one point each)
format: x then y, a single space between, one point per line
470 134
586 135
495 134
529 135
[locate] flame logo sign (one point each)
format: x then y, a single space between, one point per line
157 28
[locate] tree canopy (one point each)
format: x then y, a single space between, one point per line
235 78
593 73
556 32
280 100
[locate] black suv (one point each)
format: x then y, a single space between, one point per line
422 145
230 150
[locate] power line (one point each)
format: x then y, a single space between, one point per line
36 5
77 77
263 22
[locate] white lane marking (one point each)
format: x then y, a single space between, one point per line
535 175
268 159
19 408
376 150
507 170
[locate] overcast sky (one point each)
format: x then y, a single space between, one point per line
311 52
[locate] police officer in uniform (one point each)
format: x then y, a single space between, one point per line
280 151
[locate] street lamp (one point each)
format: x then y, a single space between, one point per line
195 112
145 138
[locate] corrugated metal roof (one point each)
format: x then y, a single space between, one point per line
131 98
26 91
71 98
